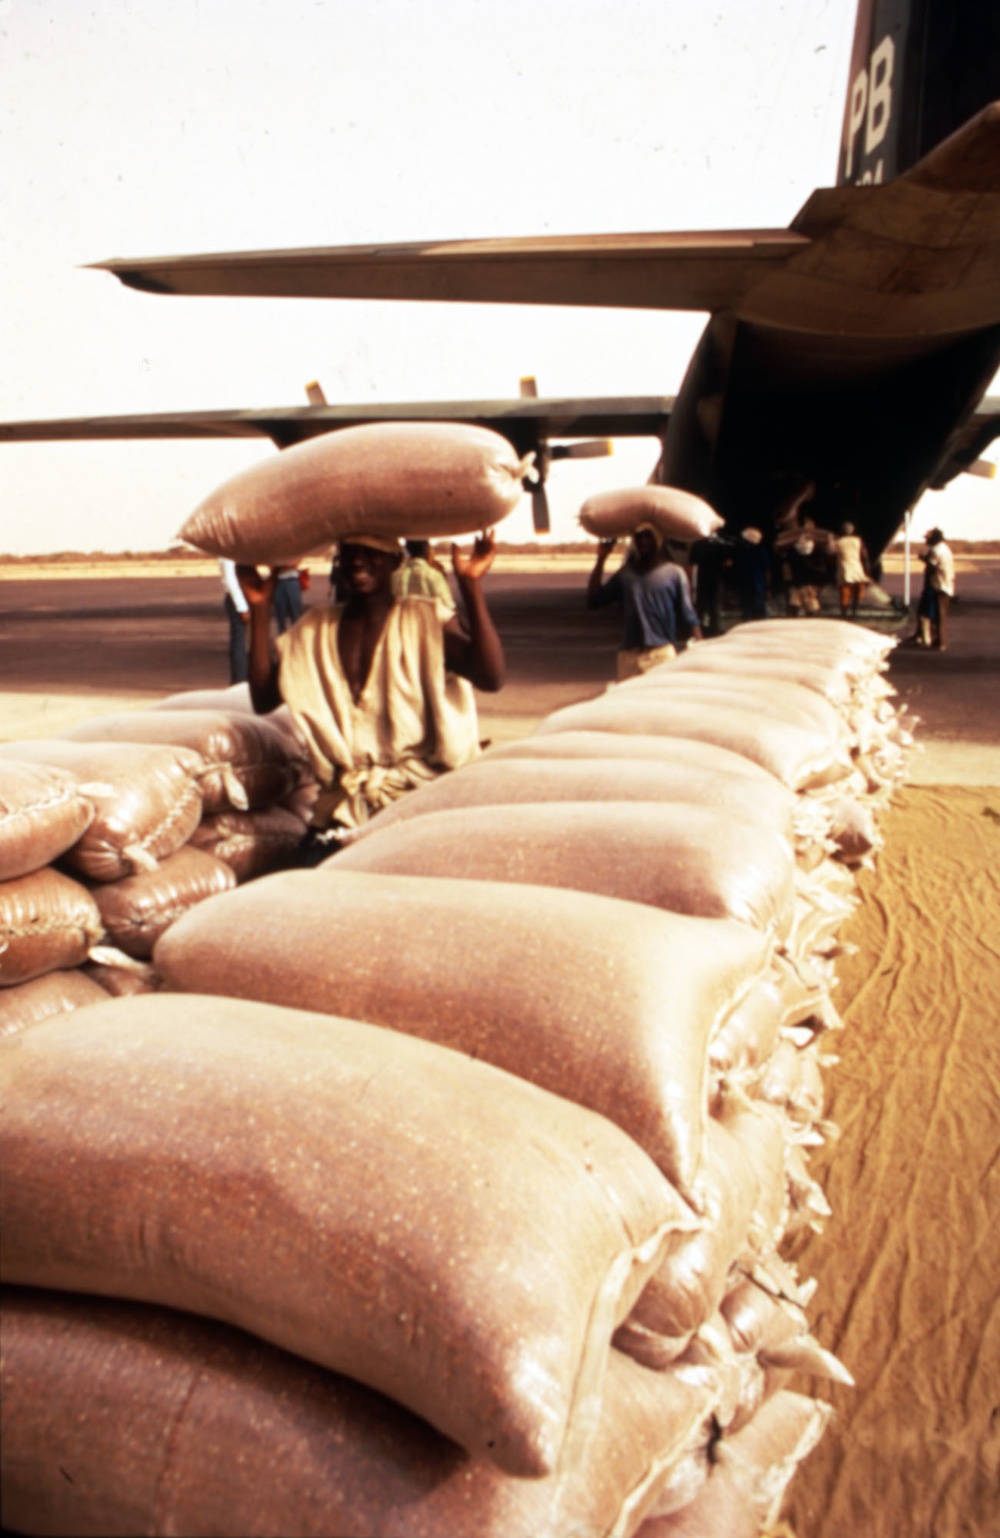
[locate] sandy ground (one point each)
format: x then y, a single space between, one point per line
908 1266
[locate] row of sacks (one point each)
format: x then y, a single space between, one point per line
110 833
695 1039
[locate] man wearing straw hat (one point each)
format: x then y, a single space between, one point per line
380 688
659 617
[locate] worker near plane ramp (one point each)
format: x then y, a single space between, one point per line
659 617
380 687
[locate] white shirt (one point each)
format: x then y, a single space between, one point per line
942 569
230 582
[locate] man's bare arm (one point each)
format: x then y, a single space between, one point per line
478 655
262 667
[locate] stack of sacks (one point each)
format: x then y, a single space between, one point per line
182 804
438 1231
267 837
636 910
120 876
242 766
48 922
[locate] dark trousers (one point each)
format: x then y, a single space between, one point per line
237 642
287 601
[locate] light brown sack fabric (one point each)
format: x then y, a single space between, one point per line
124 1418
136 910
778 697
221 1156
515 781
827 632
27 1004
147 801
679 751
608 1004
48 922
251 843
736 661
683 858
416 480
236 697
780 1005
677 514
248 762
42 814
756 1465
802 759
719 1510
742 1193
121 977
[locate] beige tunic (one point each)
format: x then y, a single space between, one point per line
411 722
851 565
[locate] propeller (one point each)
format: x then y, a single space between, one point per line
546 453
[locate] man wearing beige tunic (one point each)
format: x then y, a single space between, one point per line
380 687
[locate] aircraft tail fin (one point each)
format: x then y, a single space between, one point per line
920 69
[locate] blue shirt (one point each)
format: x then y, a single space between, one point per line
657 605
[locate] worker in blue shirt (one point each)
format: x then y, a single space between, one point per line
659 617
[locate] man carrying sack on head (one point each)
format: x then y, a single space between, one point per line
659 617
378 686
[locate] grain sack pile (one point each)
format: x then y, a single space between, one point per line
445 1185
108 837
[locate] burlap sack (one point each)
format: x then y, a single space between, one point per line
138 909
121 977
147 801
780 697
780 1008
839 634
499 782
236 697
720 1509
606 1003
687 859
42 814
801 758
755 1466
736 661
123 1419
27 1004
743 1195
446 1233
827 652
247 761
417 480
776 1332
677 514
679 751
48 923
251 843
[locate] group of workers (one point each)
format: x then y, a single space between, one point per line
380 680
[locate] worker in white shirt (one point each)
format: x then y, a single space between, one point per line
238 614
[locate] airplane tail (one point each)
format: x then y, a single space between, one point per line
920 69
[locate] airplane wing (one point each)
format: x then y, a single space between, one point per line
526 422
690 271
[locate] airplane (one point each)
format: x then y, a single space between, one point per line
853 348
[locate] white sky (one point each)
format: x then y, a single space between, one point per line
136 128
